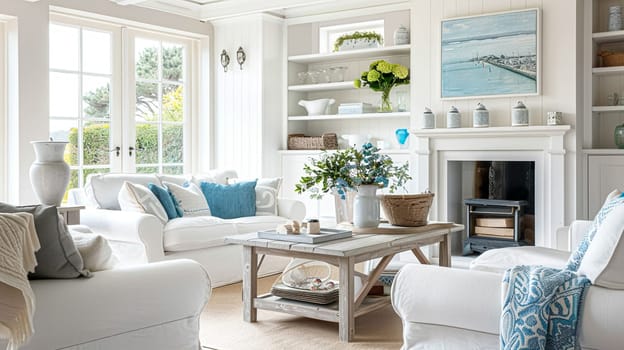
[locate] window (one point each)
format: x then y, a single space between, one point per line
119 112
329 34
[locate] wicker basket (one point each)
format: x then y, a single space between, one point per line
612 59
300 141
407 209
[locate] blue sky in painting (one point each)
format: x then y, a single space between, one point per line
489 26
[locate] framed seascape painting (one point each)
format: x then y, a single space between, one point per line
491 55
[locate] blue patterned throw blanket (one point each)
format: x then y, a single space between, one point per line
540 308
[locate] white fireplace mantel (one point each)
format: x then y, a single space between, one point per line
544 145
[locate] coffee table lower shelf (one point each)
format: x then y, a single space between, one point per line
327 312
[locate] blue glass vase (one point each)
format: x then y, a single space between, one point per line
401 135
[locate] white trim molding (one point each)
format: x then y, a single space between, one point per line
544 145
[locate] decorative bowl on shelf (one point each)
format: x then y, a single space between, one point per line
317 107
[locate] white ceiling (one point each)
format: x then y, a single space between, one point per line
207 10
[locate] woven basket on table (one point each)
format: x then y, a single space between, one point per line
407 209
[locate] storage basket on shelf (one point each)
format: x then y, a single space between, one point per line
407 209
612 59
300 141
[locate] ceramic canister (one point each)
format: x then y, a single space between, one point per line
428 119
401 36
453 118
480 117
519 115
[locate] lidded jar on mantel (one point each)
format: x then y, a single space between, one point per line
519 115
453 118
428 119
480 116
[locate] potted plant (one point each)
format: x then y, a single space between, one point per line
358 40
382 76
363 170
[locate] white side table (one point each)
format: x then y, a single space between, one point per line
71 214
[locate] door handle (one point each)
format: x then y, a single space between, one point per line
132 149
117 150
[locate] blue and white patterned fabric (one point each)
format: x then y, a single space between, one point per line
541 308
575 259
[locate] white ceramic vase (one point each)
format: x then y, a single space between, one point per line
366 207
49 174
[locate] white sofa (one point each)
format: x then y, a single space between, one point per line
153 306
139 238
448 309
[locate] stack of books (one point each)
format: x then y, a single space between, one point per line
356 108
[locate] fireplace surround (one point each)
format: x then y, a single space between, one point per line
434 149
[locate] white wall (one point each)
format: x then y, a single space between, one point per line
247 120
28 73
558 70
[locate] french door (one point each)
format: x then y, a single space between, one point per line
119 97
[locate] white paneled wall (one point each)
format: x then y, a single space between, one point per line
247 124
558 70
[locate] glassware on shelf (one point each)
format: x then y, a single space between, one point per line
324 76
401 96
313 76
615 18
337 74
302 77
402 135
619 136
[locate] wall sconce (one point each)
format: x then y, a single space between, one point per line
240 56
225 60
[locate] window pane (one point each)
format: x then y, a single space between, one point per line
64 94
146 58
147 106
64 47
173 58
96 52
173 143
147 170
66 130
95 97
146 143
173 103
173 170
96 144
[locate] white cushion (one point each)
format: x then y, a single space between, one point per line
215 176
102 189
191 199
189 233
603 262
499 260
176 179
96 253
138 198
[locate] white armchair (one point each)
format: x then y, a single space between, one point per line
447 309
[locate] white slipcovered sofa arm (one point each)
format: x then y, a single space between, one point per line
291 209
450 297
127 226
119 301
578 228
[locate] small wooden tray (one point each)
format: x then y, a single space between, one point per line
327 234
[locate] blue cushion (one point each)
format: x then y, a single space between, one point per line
231 201
165 198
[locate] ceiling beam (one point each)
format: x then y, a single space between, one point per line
232 8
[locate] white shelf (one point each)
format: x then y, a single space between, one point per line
343 85
350 116
351 54
316 151
607 37
604 151
608 109
608 70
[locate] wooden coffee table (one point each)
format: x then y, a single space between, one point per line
366 244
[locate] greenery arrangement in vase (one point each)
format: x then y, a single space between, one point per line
350 169
382 76
369 37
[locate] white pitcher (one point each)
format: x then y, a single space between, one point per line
354 140
317 107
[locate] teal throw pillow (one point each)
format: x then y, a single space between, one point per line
166 199
231 201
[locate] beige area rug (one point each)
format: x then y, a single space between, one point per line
223 328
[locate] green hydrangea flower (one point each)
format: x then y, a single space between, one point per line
373 75
385 67
374 64
357 83
400 71
364 75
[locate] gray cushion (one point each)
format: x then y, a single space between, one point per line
58 256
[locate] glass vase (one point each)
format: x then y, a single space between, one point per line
366 207
385 106
619 136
